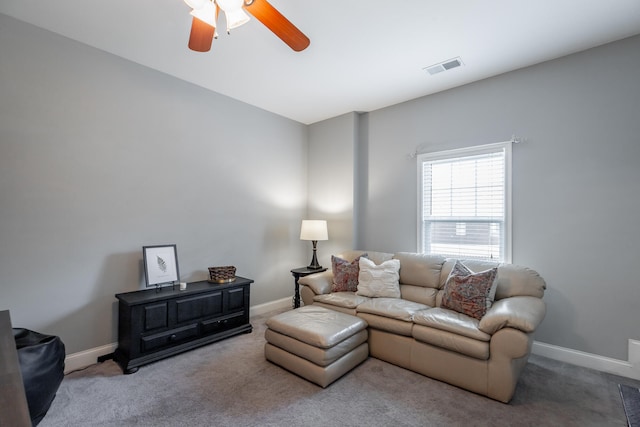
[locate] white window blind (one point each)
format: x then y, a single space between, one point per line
464 203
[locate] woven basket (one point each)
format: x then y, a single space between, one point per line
223 274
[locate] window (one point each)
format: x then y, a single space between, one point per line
465 203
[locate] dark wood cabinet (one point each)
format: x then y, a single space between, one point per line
154 324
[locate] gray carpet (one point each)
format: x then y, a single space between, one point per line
229 383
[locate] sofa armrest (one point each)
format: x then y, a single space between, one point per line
520 312
319 283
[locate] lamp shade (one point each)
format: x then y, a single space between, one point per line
314 230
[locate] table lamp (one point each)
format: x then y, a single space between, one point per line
314 230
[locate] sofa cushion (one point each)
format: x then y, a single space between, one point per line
379 281
393 308
387 324
341 299
451 321
345 274
469 293
452 341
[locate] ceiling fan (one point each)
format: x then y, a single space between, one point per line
205 17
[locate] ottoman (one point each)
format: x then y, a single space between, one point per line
41 359
316 343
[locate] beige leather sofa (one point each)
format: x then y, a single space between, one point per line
484 356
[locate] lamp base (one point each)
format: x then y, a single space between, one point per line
314 260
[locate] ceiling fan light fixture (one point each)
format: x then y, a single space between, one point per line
196 4
205 17
236 18
207 13
233 12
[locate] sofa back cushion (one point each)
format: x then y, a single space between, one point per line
377 257
420 277
512 279
420 269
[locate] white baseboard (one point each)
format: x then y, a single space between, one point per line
82 359
257 310
629 369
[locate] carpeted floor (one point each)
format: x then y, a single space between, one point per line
229 383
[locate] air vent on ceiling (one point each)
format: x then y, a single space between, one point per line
443 66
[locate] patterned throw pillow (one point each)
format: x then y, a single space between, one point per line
345 274
379 281
469 293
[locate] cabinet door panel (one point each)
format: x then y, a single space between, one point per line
198 307
155 316
236 299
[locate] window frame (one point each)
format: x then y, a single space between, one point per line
467 152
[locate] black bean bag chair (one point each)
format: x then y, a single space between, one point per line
41 359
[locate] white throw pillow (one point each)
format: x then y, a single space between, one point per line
378 281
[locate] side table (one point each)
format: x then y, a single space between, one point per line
297 274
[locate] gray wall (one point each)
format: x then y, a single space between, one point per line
331 183
576 191
100 156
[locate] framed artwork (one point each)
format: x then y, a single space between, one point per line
160 264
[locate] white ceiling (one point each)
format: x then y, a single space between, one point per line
364 55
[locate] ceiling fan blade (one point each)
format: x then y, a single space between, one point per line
201 36
264 12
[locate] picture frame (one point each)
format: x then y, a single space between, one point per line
160 265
